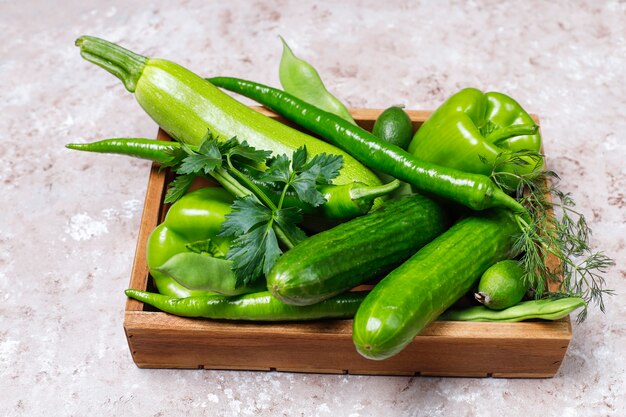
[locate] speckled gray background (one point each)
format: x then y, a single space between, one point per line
69 221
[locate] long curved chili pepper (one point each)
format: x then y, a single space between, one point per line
475 191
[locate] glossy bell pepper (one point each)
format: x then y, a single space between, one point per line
172 251
470 129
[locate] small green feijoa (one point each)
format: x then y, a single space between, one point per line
501 286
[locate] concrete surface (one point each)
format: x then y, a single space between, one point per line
70 220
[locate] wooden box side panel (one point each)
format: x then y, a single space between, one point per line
159 340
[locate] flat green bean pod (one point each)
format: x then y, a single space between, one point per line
301 79
551 309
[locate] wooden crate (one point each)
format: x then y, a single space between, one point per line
463 349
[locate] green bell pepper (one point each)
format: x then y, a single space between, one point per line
472 128
185 253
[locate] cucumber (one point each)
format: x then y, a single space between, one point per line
337 259
423 287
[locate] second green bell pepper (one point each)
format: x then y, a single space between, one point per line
470 129
177 248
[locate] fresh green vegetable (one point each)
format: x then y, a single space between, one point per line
299 78
471 129
472 190
192 224
207 272
185 106
546 309
423 287
252 221
394 126
501 286
354 252
259 306
154 150
341 201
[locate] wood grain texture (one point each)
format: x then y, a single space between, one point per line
444 348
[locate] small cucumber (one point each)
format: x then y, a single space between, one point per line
501 286
337 259
394 126
423 287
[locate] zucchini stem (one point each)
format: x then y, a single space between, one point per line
124 64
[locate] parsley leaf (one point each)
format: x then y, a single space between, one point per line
254 249
287 218
178 187
234 148
303 177
207 158
246 213
277 170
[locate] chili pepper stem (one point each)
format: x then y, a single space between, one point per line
124 64
501 199
368 193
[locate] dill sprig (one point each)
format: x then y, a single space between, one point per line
554 238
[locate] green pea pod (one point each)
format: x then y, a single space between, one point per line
535 309
200 271
299 78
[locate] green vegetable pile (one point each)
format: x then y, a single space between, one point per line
294 224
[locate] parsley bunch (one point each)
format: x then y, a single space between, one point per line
257 225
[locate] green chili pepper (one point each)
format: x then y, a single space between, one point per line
342 201
191 225
260 306
472 128
153 150
553 309
472 190
299 78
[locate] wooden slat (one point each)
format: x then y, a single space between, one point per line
444 348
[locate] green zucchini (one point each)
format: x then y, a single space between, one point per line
422 288
351 253
185 106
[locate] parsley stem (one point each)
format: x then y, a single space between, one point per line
229 183
252 187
